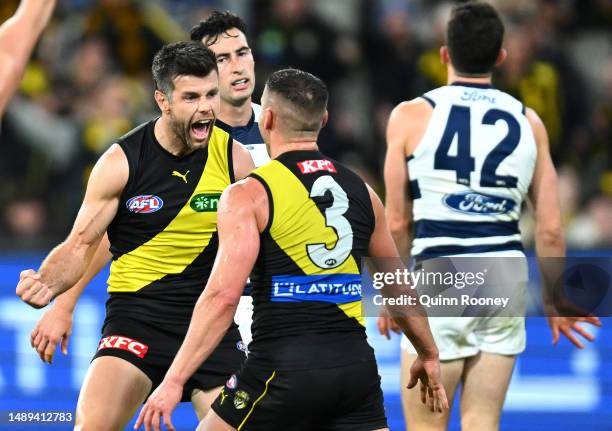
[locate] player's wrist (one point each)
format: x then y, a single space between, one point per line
175 378
64 305
430 354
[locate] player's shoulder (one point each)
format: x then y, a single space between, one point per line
415 105
138 133
409 114
533 117
245 193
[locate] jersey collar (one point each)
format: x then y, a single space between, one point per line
471 84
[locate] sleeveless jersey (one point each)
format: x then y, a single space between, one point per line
470 172
249 136
164 235
306 280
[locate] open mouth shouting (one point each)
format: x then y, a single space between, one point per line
200 129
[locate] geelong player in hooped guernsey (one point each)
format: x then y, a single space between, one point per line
301 223
467 155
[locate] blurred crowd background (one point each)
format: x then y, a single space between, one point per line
89 82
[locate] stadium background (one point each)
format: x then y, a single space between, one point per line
89 82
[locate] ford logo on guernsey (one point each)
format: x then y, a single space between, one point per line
144 204
478 203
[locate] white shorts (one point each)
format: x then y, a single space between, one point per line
244 318
462 337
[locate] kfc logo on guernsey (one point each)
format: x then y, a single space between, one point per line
144 204
124 343
312 166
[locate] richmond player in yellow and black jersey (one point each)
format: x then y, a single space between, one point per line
156 191
302 223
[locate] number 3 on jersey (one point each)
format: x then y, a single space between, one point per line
320 255
463 163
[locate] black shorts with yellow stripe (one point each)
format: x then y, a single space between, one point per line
325 399
151 347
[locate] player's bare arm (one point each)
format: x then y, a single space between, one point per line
67 263
55 326
549 238
413 323
242 215
243 162
16 45
405 129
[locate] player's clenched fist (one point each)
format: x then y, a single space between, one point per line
32 290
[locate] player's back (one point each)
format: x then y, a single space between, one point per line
470 172
306 281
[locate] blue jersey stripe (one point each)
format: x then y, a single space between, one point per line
334 288
464 229
449 250
415 190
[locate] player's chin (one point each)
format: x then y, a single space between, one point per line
197 142
241 96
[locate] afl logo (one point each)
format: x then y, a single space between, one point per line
144 204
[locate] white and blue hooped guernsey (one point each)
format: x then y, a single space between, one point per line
249 136
470 172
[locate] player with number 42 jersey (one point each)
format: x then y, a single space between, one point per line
482 151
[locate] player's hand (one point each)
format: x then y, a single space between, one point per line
386 324
160 404
53 327
32 291
432 391
568 325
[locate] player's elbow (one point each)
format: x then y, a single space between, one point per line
398 226
550 236
228 299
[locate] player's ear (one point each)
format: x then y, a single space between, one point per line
325 119
501 57
268 119
444 55
162 101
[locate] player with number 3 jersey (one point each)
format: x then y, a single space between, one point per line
302 223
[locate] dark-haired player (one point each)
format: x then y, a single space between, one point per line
464 143
302 223
224 34
156 192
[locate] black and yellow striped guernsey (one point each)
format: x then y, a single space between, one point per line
306 280
164 236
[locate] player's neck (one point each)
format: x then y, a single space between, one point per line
285 147
236 116
456 77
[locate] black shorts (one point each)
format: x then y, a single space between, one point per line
152 348
347 398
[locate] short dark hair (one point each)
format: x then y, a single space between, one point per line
474 38
216 24
306 93
181 58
